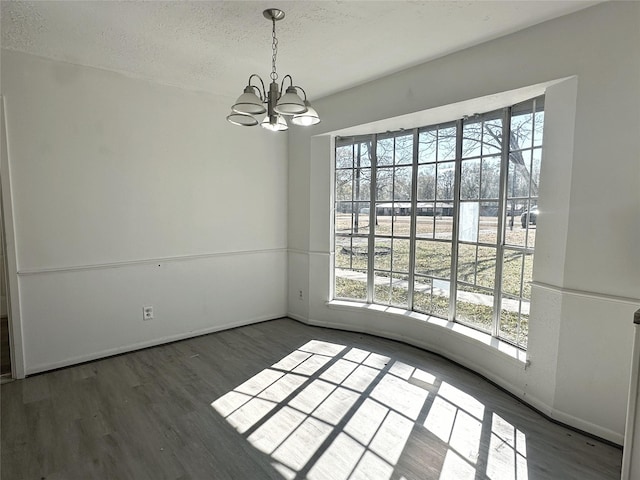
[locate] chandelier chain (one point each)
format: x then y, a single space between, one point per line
274 47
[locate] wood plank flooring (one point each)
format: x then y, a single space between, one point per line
283 400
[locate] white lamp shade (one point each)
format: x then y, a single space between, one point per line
249 103
290 103
308 118
279 126
242 119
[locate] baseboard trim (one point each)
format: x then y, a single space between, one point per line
557 416
45 367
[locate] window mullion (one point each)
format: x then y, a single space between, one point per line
522 264
372 219
456 223
412 226
354 206
515 148
502 212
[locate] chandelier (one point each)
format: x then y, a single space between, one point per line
278 104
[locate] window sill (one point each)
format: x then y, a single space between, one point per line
459 329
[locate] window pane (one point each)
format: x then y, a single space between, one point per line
400 255
470 180
472 139
358 251
538 129
444 221
404 150
488 222
402 183
384 217
425 220
343 217
361 218
422 290
359 260
535 170
344 184
384 184
521 126
531 236
529 220
382 289
492 137
344 157
511 272
466 263
402 219
365 154
351 285
445 181
527 276
427 182
486 267
399 291
469 220
514 232
427 142
343 252
362 184
490 187
431 297
384 151
474 307
519 174
382 254
446 144
524 328
509 320
514 327
433 258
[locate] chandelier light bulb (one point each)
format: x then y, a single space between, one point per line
278 125
308 118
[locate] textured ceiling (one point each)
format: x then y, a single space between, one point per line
213 46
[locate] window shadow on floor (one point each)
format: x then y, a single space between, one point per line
333 411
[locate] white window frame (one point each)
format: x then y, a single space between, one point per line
369 237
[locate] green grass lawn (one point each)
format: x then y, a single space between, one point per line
475 274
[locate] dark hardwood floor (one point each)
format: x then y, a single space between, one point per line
283 400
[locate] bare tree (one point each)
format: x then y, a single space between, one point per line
481 137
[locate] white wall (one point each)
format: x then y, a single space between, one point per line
127 193
587 270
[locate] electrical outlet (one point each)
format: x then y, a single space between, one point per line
300 295
147 313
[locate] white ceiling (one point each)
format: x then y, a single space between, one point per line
213 46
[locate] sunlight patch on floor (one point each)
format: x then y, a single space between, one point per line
507 451
327 411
